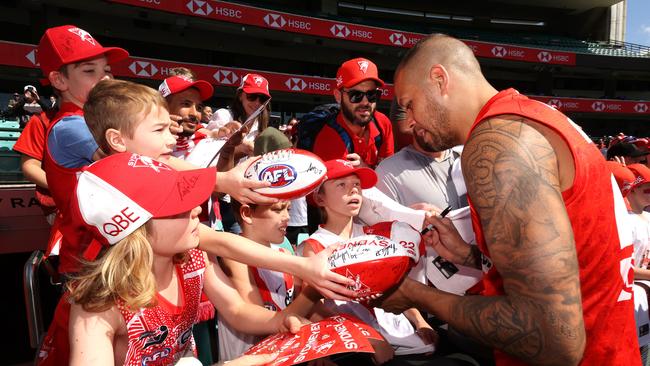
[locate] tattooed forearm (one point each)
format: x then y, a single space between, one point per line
513 181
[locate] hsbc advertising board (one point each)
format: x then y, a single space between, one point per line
265 18
24 55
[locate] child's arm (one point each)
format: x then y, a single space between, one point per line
422 328
312 270
33 170
243 281
641 274
244 317
232 182
91 336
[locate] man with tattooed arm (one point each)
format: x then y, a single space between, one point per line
556 271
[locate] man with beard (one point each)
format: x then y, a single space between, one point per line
357 83
420 174
544 210
184 97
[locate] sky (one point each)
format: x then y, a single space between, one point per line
638 22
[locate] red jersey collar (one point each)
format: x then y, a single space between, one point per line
502 94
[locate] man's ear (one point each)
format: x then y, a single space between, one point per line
439 76
337 95
115 140
58 80
318 198
246 213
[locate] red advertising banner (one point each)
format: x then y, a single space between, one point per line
24 55
271 19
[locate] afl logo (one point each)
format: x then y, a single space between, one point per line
280 175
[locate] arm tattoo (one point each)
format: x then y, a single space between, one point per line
512 177
473 258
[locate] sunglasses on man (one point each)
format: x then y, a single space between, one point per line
253 97
356 96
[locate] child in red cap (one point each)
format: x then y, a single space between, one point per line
72 61
137 300
340 199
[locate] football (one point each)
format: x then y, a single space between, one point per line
293 173
375 263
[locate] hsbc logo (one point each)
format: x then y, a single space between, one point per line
598 106
226 77
556 103
340 30
398 39
199 7
544 56
499 51
640 107
274 20
31 56
143 68
295 84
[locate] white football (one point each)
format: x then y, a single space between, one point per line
293 173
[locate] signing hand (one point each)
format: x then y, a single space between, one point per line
446 240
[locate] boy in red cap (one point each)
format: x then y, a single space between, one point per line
72 61
359 133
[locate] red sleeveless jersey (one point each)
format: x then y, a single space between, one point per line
604 260
61 182
162 334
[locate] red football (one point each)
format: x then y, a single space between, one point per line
374 262
293 173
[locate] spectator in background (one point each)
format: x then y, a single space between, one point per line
27 105
628 153
53 103
418 173
357 92
639 199
206 114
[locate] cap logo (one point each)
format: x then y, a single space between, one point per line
120 222
339 81
258 80
280 175
164 89
139 161
363 66
83 35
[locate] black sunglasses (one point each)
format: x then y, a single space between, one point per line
254 97
356 96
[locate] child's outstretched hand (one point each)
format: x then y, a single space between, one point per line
253 360
292 323
233 183
332 285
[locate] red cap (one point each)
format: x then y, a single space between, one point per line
177 84
339 168
255 84
68 44
641 173
354 71
116 195
624 176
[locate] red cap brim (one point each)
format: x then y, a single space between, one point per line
255 90
192 188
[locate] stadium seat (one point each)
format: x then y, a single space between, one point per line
31 287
